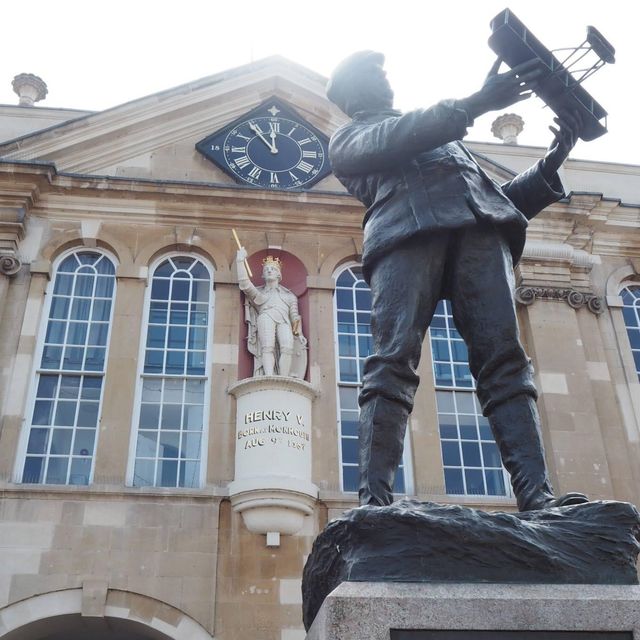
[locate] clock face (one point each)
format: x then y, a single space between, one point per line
270 147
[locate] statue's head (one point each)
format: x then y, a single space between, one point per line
360 83
271 269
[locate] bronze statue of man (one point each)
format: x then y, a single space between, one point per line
436 227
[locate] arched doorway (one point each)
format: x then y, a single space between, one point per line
126 616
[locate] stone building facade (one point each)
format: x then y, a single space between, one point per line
118 432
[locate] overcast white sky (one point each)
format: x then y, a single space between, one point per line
95 55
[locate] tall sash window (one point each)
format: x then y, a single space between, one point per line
69 381
470 457
172 412
353 318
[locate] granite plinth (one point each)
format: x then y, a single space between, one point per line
380 611
410 541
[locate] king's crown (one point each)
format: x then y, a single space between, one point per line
272 262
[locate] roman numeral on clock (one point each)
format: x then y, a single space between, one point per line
273 178
304 166
304 141
242 161
238 149
309 154
255 173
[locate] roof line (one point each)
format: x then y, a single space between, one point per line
194 84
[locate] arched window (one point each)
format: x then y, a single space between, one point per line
171 418
353 318
69 379
631 311
470 457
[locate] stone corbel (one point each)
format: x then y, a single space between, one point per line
574 298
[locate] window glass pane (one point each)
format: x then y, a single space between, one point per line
149 416
80 309
73 357
33 468
84 285
453 482
151 389
61 441
350 450
47 386
63 285
350 478
55 332
98 333
158 312
65 413
190 446
160 289
42 412
91 387
57 470
104 287
344 299
88 414
347 345
189 472
69 387
80 470
83 442
495 482
144 473
51 357
38 441
491 455
471 454
349 426
59 308
101 310
167 473
451 454
475 482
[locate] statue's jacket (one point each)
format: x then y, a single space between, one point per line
415 176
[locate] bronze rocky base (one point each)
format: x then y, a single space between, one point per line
411 541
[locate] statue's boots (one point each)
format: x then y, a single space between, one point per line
381 439
516 427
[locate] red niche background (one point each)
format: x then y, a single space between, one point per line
294 278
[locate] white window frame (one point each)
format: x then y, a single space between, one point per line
36 369
407 457
129 480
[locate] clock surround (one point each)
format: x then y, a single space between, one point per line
270 147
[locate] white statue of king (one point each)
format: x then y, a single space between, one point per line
275 326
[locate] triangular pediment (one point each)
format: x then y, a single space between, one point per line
154 137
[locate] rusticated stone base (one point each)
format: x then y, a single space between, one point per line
410 541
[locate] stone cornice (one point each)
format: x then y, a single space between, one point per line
69 197
575 299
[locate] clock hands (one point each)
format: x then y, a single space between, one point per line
256 129
272 135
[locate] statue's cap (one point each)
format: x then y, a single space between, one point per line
342 76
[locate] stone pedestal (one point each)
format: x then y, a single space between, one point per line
404 611
272 488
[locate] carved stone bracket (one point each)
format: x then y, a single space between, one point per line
9 264
575 299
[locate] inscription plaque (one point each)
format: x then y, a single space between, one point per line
511 635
